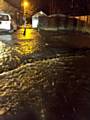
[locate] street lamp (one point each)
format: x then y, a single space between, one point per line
25 5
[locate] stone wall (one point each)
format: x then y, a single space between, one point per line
4 6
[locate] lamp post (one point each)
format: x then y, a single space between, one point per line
25 6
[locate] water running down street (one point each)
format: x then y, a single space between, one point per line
42 82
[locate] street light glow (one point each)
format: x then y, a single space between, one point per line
25 4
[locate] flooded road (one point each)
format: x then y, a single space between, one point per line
39 82
16 48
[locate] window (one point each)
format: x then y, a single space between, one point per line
4 17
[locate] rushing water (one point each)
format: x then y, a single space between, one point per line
55 89
52 86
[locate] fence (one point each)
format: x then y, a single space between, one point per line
65 22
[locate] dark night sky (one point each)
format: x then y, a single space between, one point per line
59 6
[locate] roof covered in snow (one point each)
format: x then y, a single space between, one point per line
41 13
57 15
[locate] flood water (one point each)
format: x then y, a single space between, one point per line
56 88
53 87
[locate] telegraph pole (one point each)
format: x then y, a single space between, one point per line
51 6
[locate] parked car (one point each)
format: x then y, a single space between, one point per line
6 23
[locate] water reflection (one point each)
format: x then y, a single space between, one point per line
28 43
26 47
29 34
15 49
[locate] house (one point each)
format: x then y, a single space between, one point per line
35 18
